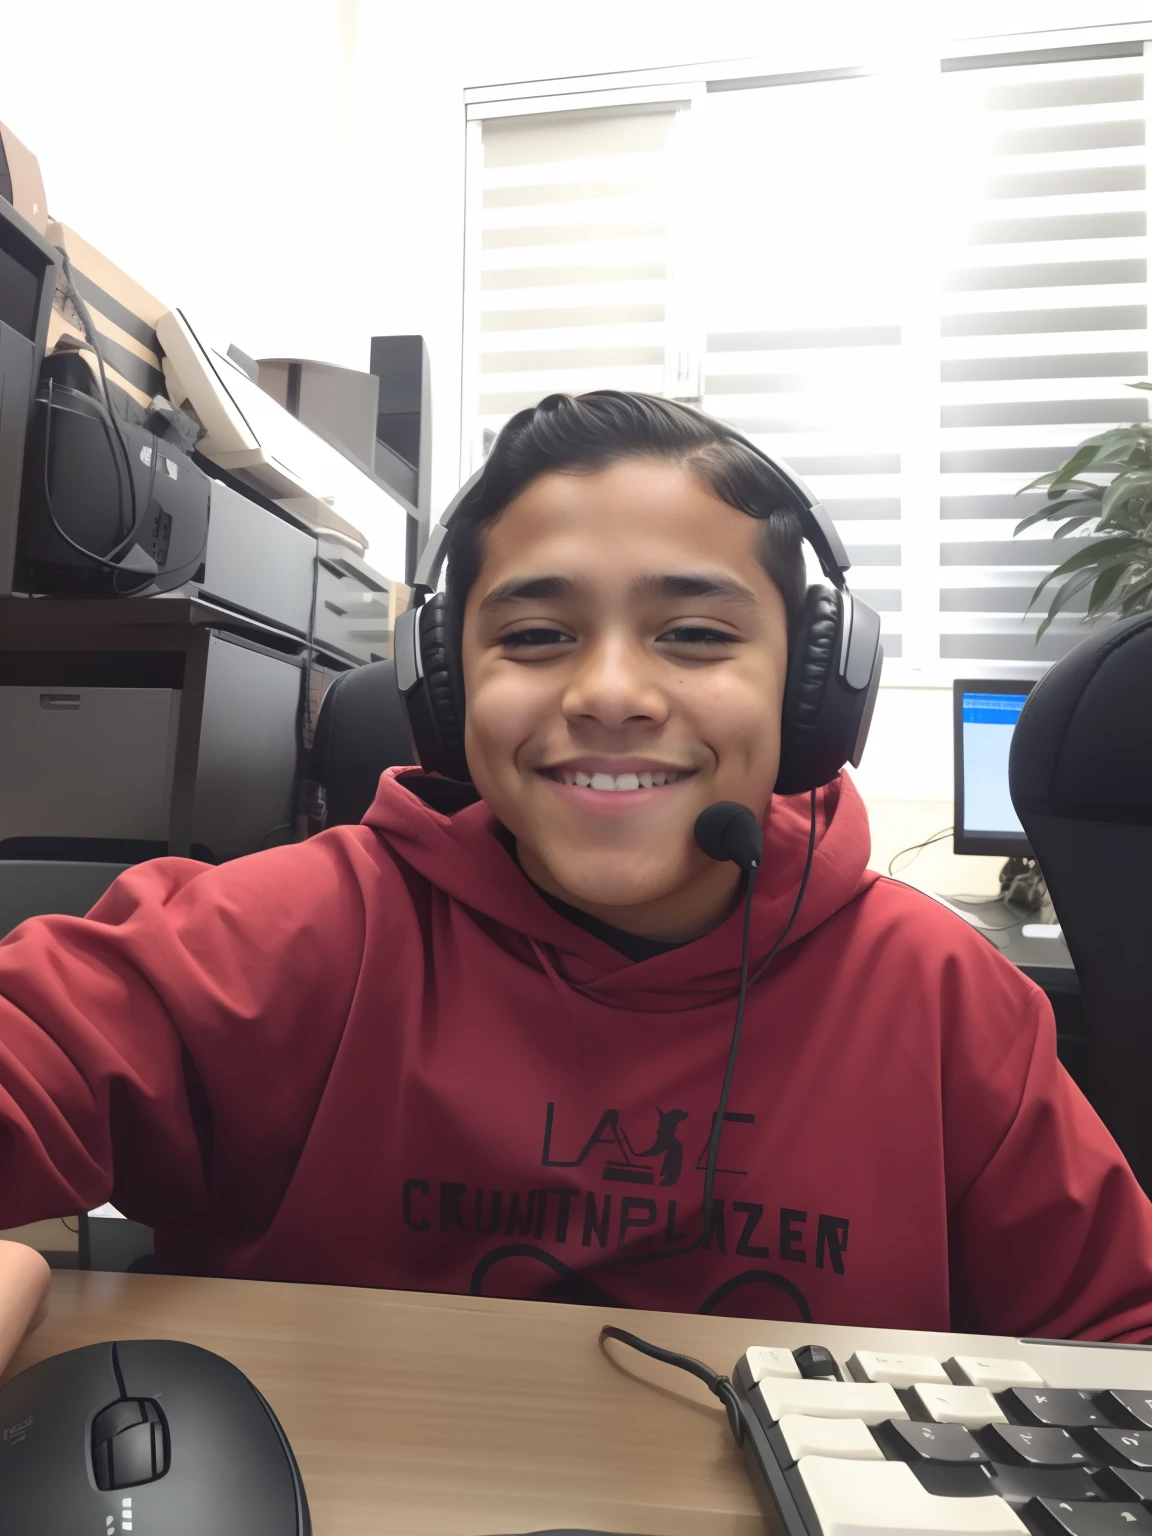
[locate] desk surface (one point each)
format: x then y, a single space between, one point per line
452 1415
1045 960
428 1415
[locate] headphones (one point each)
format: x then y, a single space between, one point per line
834 659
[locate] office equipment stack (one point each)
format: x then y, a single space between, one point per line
184 565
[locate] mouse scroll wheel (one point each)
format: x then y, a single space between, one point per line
129 1445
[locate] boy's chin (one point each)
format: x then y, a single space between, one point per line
614 879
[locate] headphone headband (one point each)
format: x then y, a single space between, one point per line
816 526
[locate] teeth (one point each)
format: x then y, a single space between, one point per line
618 783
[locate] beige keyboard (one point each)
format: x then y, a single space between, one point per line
854 1432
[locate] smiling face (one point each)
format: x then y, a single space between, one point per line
624 658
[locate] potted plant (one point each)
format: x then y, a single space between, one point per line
1115 509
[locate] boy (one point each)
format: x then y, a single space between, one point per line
482 1052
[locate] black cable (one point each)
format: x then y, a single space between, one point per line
730 1067
763 966
733 1048
282 826
107 563
720 1386
309 658
936 837
310 795
92 337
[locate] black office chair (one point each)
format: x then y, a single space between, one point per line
360 731
1080 775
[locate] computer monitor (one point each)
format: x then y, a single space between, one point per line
984 714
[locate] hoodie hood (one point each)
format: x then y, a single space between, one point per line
466 858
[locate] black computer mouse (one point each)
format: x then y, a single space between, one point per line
147 1438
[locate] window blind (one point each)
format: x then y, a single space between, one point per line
920 296
573 266
803 305
1043 320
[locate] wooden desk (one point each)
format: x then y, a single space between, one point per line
453 1415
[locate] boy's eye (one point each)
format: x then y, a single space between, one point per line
539 635
697 634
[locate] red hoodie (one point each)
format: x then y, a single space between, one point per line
381 1058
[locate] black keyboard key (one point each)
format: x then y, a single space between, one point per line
902 1441
814 1362
1052 1517
1123 1447
1127 1407
1018 1485
1022 1443
1052 1407
1124 1484
955 1480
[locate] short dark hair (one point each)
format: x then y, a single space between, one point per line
586 433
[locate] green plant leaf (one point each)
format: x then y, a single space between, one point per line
1121 440
1074 522
1065 595
1142 385
1134 517
1100 552
1042 480
1119 547
1103 588
1133 432
1045 513
1070 468
1138 598
1032 485
1124 487
1118 448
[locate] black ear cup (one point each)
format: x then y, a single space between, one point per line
824 718
436 705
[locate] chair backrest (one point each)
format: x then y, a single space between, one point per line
361 730
1081 780
34 887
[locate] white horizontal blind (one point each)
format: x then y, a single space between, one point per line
920 296
573 261
1043 320
803 297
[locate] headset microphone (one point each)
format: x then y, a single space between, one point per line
730 831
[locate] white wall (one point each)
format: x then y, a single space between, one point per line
202 148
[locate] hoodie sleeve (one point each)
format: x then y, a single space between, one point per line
168 1051
1050 1234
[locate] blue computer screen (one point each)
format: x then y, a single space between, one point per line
988 720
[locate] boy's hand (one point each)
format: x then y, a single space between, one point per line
24 1281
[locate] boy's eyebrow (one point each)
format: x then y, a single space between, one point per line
669 588
692 584
527 589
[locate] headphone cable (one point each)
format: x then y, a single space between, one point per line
733 1049
106 563
92 338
